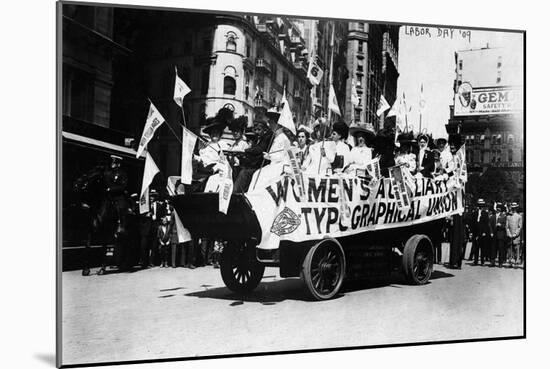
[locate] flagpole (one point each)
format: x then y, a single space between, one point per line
328 107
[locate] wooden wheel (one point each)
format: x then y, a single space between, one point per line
323 269
240 270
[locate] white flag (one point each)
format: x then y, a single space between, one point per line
188 141
224 196
180 90
354 96
314 73
149 173
154 120
183 233
285 119
333 102
383 106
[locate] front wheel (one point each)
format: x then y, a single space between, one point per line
240 270
323 269
418 258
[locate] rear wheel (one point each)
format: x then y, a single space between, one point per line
418 259
240 270
323 269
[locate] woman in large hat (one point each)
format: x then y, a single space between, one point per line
340 131
237 127
361 153
425 157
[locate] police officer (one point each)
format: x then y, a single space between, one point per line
116 181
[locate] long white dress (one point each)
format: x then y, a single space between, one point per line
359 157
317 164
278 157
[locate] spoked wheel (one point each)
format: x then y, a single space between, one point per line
240 270
323 269
418 259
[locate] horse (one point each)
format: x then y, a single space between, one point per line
105 216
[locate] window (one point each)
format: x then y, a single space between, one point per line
477 139
229 106
360 46
229 85
359 68
460 65
499 139
274 71
510 139
248 49
494 139
499 62
510 155
498 77
231 43
361 26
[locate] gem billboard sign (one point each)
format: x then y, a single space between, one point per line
487 100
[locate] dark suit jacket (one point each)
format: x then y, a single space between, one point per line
484 224
428 163
164 237
254 156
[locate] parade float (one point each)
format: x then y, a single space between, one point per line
326 228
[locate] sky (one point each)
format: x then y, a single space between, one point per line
427 57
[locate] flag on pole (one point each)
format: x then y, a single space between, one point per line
154 120
183 233
188 141
314 73
180 90
226 188
354 96
285 119
149 173
422 101
333 102
460 176
383 106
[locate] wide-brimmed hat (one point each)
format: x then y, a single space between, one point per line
213 125
341 128
481 202
249 133
455 140
364 128
273 113
514 205
238 124
441 140
116 158
424 137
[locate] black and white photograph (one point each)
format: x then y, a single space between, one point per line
234 183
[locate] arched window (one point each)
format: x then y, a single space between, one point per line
229 85
231 43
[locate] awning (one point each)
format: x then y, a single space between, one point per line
101 144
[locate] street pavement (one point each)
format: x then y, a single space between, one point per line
177 312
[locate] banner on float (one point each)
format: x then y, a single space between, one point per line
283 215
